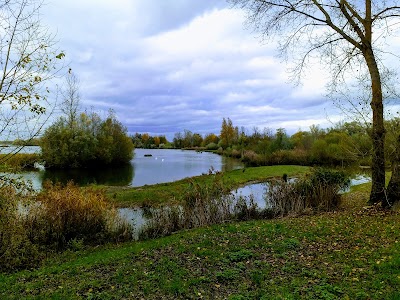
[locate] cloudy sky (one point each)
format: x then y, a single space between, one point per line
168 65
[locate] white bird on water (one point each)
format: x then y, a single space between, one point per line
39 166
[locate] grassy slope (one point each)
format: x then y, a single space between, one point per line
353 253
171 192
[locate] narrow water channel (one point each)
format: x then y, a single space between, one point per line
256 192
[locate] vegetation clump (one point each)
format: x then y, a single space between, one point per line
209 203
69 213
32 226
16 249
89 141
318 191
20 161
203 203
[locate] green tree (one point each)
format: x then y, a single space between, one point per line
302 140
187 139
92 142
163 139
114 146
178 140
281 141
197 140
210 138
137 140
228 133
156 141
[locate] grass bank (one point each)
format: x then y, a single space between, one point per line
353 253
171 193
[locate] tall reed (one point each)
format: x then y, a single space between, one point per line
203 204
212 203
16 249
319 191
32 225
69 212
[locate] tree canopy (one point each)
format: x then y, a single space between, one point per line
89 142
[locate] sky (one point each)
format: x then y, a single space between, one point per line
164 66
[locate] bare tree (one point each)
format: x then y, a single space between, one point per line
71 98
28 63
347 36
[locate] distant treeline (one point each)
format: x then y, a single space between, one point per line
343 144
144 140
21 142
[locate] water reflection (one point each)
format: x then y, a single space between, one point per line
256 191
135 217
122 175
158 166
149 166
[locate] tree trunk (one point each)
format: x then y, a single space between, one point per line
378 131
393 189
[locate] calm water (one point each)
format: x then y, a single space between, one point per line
12 149
172 165
164 165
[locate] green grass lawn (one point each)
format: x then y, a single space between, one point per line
170 193
353 253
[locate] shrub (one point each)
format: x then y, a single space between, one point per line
71 213
283 198
323 188
87 142
289 157
63 217
236 153
251 158
212 146
164 221
203 204
16 250
207 203
320 191
246 209
227 151
212 203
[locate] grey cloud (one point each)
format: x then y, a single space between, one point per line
165 66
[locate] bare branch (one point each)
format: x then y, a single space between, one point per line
382 14
341 32
28 63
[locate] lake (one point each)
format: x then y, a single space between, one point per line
158 166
